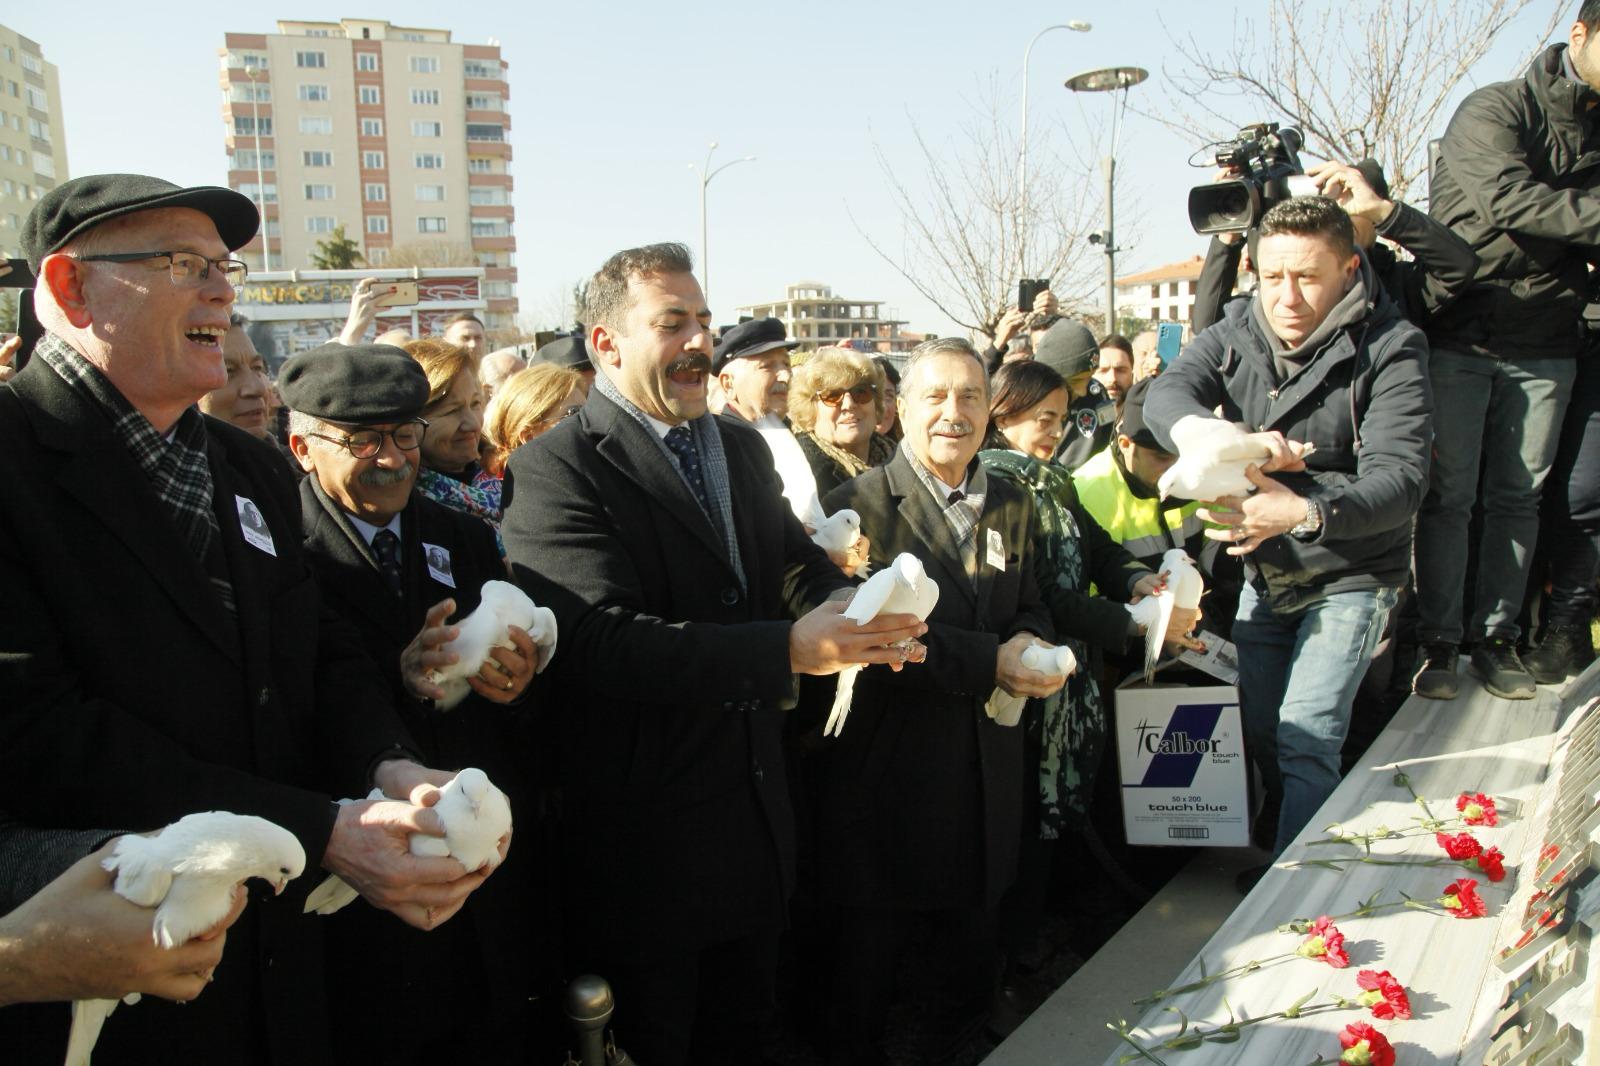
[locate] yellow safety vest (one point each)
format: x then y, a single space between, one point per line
1139 524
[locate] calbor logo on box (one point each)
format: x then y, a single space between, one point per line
1182 763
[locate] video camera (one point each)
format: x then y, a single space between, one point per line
1268 161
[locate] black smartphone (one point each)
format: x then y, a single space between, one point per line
1028 289
14 274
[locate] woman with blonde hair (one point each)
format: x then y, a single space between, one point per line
450 472
528 403
835 402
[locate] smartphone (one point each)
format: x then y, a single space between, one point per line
400 294
1028 289
14 274
1169 341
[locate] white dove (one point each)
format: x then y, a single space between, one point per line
502 605
1212 456
903 588
1183 590
475 815
840 532
1058 661
187 873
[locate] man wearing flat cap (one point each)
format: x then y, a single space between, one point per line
751 362
399 568
1072 351
161 655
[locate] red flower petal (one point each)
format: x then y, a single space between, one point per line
1492 863
1477 809
1460 846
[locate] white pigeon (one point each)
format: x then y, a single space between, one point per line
903 588
840 532
475 815
187 873
1212 456
1058 661
501 606
1183 590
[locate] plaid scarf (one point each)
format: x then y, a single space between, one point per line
713 466
178 471
963 515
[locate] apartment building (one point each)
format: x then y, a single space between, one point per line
817 318
398 134
1165 294
33 146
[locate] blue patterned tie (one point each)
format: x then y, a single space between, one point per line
681 442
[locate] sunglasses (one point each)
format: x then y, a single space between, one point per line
861 395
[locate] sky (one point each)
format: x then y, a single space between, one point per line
611 102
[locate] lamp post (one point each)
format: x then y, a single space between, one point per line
261 184
1078 26
706 174
1110 79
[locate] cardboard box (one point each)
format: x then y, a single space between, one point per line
1183 772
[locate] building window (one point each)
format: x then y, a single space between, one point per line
430 193
251 61
493 227
243 93
245 159
430 225
38 129
424 64
485 131
316 159
372 160
375 191
427 128
367 61
267 193
377 223
372 127
428 161
483 102
371 95
37 99
480 165
316 33
498 290
481 68
377 256
43 164
424 96
492 196
319 192
30 62
311 60
245 125
316 124
320 223
313 92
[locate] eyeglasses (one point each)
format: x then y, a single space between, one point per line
365 443
861 395
562 417
189 269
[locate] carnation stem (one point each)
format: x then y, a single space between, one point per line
1333 864
1400 778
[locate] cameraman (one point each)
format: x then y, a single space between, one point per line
1442 267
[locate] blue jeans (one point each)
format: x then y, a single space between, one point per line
1509 416
1298 675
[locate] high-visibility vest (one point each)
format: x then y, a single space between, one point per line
1139 524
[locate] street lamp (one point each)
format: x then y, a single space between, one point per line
1110 79
1079 26
261 184
706 174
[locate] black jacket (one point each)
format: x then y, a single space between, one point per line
1442 269
1363 399
132 698
1519 178
922 793
670 681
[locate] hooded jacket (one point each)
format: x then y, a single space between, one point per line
1518 177
1361 396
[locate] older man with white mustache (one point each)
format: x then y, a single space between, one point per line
922 796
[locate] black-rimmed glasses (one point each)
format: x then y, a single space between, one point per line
560 416
861 395
188 269
365 443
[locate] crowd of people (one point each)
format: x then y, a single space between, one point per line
231 592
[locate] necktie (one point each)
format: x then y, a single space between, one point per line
956 496
386 546
681 443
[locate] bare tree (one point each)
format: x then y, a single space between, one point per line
1368 79
432 254
964 231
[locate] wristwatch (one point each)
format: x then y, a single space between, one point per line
1311 525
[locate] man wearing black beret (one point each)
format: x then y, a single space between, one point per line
397 566
161 655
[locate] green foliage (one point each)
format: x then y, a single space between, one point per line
338 252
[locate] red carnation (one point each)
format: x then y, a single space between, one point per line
1325 943
1477 809
1459 847
1365 1046
1492 863
1461 899
1386 996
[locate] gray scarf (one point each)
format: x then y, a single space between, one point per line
1350 309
